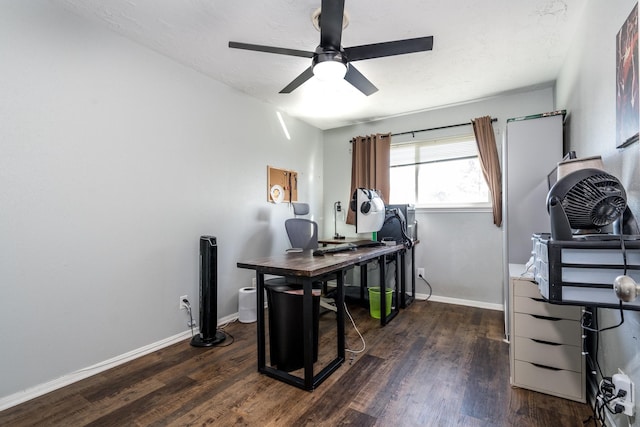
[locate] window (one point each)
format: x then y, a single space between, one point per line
438 173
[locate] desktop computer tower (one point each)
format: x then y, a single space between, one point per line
209 335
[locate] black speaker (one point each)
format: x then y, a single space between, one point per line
209 335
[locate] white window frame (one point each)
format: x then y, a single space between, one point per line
441 142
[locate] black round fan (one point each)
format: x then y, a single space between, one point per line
586 199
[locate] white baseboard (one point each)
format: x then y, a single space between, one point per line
458 301
41 389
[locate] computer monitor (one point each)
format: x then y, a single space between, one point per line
369 209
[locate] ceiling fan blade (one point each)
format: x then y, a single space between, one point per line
359 81
306 75
398 47
271 49
331 13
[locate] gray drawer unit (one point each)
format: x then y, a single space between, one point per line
546 343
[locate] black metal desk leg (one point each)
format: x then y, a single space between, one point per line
260 320
340 313
383 291
403 280
307 327
384 319
399 277
413 273
363 284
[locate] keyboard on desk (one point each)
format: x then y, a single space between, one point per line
366 243
347 247
335 249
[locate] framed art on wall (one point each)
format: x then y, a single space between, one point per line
627 111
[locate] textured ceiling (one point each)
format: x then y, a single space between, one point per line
481 48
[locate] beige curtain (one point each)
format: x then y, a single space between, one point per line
490 163
370 166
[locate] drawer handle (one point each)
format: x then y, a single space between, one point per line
546 367
553 319
544 342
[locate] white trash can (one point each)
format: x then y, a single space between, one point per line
247 305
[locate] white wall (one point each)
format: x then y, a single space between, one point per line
586 88
113 161
461 251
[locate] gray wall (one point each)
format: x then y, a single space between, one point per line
461 251
586 89
113 161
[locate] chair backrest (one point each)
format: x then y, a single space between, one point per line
300 208
302 232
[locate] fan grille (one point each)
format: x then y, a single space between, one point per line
597 200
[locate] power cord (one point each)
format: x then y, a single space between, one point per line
220 329
364 344
188 305
603 398
428 284
604 394
588 328
231 340
589 318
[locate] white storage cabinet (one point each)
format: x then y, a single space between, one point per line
546 342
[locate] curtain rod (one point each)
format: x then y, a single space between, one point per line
437 128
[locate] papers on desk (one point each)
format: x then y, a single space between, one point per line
293 250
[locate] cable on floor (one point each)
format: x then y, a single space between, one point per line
364 344
428 284
219 329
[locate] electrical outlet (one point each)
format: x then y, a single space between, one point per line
420 272
623 385
191 323
182 305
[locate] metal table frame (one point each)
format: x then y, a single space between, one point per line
303 268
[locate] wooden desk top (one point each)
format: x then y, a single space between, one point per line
305 264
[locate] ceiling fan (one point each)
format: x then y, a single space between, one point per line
331 58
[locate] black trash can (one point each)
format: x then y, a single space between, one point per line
286 335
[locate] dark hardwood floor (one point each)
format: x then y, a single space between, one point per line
433 365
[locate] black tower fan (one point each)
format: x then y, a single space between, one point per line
209 335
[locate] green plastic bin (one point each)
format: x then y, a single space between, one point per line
374 302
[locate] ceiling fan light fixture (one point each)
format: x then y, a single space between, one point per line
330 70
